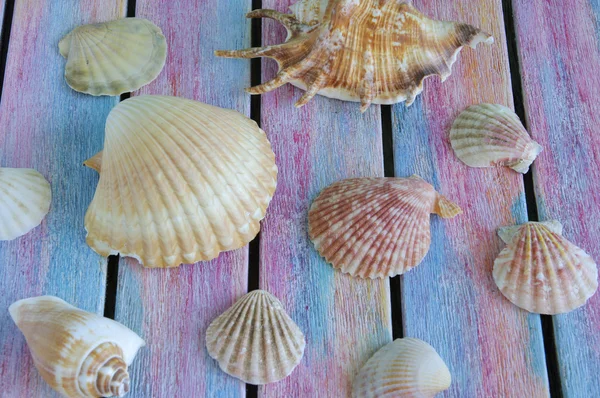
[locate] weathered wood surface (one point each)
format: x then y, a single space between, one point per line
493 348
172 308
47 126
559 55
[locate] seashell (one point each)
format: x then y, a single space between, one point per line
376 227
255 340
368 51
181 182
25 198
542 272
79 354
489 135
407 367
95 162
114 57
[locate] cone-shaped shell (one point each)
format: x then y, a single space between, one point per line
79 354
541 271
114 57
25 198
255 340
488 135
408 368
181 181
369 51
376 227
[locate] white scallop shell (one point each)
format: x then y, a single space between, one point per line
25 198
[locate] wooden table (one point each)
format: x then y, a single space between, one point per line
493 349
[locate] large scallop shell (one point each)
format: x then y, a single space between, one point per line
489 135
541 271
369 51
25 198
181 181
408 368
255 340
114 57
79 354
376 227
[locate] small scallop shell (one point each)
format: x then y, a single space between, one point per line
541 271
79 354
180 182
25 198
255 340
376 227
368 51
488 135
114 57
407 367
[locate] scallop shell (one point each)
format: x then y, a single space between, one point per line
368 51
541 271
181 181
376 227
25 198
79 354
95 162
407 367
489 135
114 57
255 340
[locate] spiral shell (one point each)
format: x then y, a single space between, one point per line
79 354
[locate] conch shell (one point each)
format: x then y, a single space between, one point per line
79 354
180 182
376 227
25 198
368 51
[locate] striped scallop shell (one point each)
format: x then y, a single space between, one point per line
25 198
541 271
114 57
488 135
180 182
408 368
255 340
376 227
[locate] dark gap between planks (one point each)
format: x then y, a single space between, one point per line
9 8
532 210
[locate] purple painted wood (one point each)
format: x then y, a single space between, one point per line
559 51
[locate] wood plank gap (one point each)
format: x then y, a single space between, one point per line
5 38
112 278
131 8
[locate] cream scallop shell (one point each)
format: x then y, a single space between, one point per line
255 340
489 135
407 367
181 181
25 198
376 227
79 354
114 57
541 271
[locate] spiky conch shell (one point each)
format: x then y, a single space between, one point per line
180 182
487 135
376 227
79 354
367 51
25 198
541 271
407 367
255 340
113 57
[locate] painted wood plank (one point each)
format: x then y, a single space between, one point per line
345 320
492 348
172 308
47 126
559 51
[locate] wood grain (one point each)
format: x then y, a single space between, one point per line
560 57
47 126
172 308
492 348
